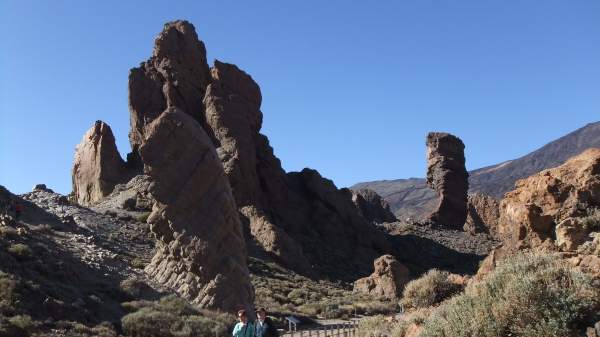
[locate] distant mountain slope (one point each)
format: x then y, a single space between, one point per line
412 198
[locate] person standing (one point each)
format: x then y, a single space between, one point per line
264 325
243 328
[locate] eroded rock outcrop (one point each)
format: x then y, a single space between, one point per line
387 281
201 249
289 219
529 215
372 206
175 76
98 166
482 214
447 175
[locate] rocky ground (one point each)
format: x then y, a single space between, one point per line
63 263
422 247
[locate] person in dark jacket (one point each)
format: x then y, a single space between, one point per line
264 325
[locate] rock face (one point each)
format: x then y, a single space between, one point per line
482 215
293 217
175 76
529 215
447 175
371 206
98 166
387 281
201 250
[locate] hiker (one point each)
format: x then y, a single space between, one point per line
243 328
264 325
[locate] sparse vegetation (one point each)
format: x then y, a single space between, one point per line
173 317
20 250
528 296
592 221
138 263
430 289
278 290
143 217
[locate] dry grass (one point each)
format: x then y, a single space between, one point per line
430 289
528 296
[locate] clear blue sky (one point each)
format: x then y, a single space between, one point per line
348 89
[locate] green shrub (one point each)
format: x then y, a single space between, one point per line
138 263
8 293
591 222
192 326
172 316
374 326
431 288
143 217
133 287
148 323
527 295
16 326
20 250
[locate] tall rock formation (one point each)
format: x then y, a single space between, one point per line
447 175
371 206
175 76
98 166
294 217
201 249
550 200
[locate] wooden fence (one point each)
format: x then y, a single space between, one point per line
333 330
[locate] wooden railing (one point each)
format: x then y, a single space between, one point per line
333 330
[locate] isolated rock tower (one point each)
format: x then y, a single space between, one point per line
447 175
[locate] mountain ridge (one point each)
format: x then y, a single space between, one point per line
411 198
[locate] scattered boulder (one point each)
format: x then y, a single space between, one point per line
482 214
371 206
387 281
98 166
447 175
529 214
201 251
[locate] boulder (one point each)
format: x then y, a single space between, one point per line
371 206
482 214
201 252
387 281
447 175
98 166
571 233
530 213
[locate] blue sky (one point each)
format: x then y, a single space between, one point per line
350 88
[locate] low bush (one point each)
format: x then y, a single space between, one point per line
20 250
138 263
8 293
172 316
430 289
527 295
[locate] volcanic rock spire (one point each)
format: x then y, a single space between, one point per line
447 175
